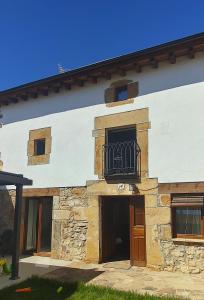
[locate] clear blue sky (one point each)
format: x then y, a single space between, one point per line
36 35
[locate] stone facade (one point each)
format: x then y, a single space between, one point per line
76 225
70 224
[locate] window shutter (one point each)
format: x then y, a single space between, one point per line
133 90
110 95
187 201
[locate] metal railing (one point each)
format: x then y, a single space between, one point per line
122 160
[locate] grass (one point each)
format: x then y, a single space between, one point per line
45 289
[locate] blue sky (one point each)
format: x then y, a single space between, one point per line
36 35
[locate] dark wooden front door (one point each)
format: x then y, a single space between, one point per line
137 232
38 224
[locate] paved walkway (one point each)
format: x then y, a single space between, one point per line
117 275
142 280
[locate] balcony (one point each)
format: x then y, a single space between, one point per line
122 160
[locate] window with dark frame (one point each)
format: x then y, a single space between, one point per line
187 213
39 147
121 93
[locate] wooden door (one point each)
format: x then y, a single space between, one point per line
38 225
137 232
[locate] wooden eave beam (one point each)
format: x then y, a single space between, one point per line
191 53
172 58
79 82
154 63
23 97
56 89
44 91
94 79
13 99
107 75
33 94
122 72
68 84
138 68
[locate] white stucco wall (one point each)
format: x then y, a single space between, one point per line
174 95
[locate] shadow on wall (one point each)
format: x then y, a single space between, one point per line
151 81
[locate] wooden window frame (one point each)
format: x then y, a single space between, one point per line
117 90
110 93
187 236
36 146
119 129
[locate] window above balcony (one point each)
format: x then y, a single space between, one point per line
121 92
121 154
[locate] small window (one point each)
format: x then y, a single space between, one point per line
121 93
39 147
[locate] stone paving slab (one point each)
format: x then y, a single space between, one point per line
140 280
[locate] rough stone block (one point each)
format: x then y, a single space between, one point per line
153 248
166 233
159 215
80 213
56 202
150 201
165 200
92 250
59 214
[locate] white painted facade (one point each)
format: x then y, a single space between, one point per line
174 95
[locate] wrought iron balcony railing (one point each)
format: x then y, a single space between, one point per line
122 160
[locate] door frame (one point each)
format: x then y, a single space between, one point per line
37 249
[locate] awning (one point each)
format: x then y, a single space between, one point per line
19 181
13 179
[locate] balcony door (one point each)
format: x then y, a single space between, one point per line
121 153
38 225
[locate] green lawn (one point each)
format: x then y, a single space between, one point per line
44 289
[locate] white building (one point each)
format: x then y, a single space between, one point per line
112 148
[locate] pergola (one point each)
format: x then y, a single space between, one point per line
19 181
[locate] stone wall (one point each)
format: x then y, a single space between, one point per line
70 224
184 257
7 203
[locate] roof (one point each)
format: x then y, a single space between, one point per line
13 179
151 57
